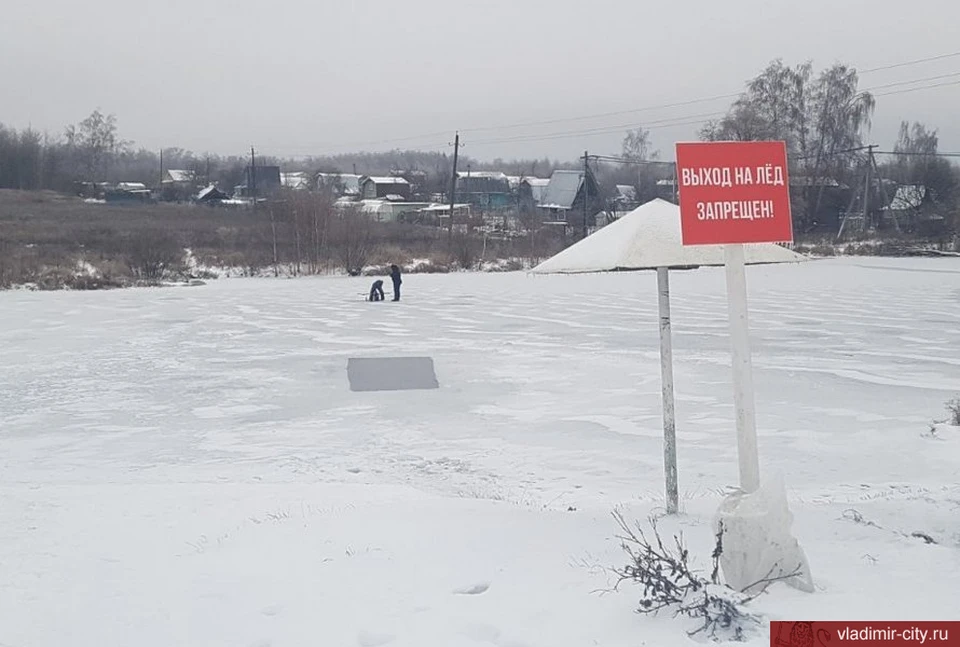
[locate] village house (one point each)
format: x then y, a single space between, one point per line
211 195
385 210
530 192
486 189
563 199
177 185
296 180
342 185
262 181
625 198
179 176
389 188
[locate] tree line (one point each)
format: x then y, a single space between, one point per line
825 118
93 150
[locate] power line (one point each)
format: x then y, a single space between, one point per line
605 129
667 123
650 125
899 83
906 154
922 87
601 115
909 63
691 101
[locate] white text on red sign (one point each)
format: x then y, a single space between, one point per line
735 210
768 175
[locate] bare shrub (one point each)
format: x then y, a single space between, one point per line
154 253
510 265
94 282
6 268
352 240
670 583
465 250
953 408
54 278
390 254
440 266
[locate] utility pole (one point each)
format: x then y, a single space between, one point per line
253 178
161 168
453 182
866 187
586 170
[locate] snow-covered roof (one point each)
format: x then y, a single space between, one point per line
538 186
445 207
294 180
207 191
387 180
180 175
562 189
349 181
646 238
491 175
131 186
908 197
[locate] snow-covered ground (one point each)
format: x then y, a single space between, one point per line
187 466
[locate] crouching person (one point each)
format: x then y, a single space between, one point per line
376 291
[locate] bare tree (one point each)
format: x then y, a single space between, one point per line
95 143
820 117
352 239
636 146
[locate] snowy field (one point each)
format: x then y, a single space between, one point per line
187 466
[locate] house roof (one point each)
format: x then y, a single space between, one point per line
536 181
180 175
131 186
446 207
294 180
909 196
490 175
538 187
349 181
646 238
212 189
562 189
386 180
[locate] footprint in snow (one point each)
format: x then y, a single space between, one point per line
476 589
366 639
271 610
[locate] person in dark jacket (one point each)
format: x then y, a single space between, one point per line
395 277
376 291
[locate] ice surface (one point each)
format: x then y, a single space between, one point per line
391 373
188 467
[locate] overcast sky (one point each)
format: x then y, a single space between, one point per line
318 77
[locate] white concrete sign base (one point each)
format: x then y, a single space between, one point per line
758 545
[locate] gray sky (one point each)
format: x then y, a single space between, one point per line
319 77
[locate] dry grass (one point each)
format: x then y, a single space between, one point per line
46 238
